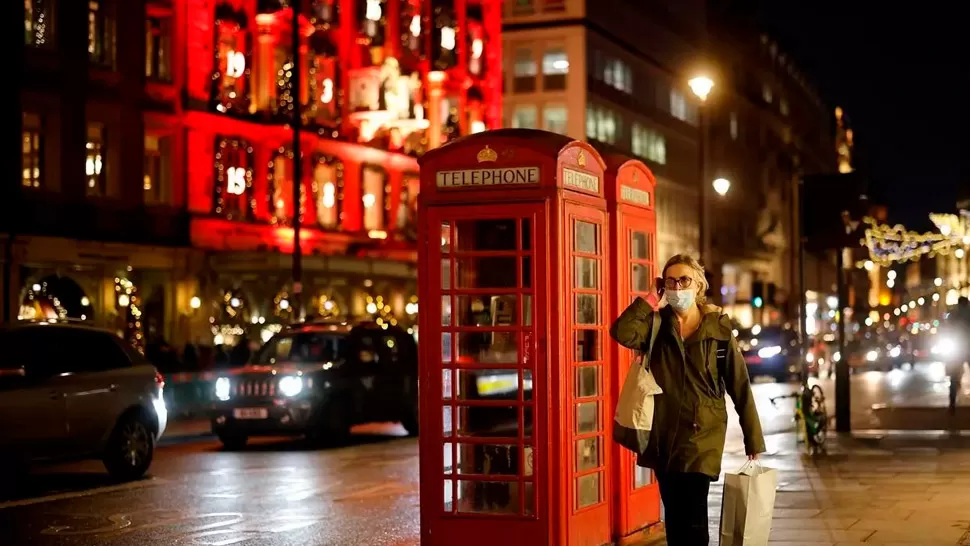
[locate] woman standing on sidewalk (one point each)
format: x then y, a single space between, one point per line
690 417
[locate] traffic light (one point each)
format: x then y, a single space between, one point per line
758 294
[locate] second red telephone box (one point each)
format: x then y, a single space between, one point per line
515 398
630 190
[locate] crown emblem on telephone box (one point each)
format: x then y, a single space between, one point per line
581 159
487 155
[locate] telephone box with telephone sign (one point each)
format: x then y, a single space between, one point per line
630 189
515 398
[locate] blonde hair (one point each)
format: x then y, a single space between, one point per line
696 268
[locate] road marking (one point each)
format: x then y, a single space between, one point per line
86 493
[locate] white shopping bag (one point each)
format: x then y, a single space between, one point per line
748 505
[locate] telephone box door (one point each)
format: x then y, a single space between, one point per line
590 404
640 495
486 442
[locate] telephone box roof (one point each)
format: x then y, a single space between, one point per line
540 141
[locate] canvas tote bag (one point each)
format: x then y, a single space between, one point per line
634 408
748 505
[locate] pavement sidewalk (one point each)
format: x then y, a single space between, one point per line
886 489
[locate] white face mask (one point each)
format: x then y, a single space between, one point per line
680 300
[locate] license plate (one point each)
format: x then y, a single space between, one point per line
250 413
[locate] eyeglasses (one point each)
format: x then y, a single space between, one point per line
670 283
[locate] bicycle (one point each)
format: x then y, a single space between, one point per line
812 425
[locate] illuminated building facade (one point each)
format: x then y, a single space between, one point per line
181 119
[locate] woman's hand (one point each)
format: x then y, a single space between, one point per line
754 456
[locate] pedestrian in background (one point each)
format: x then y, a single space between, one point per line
959 327
690 418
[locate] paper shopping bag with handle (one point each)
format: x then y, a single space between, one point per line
748 505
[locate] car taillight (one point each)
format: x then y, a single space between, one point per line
159 380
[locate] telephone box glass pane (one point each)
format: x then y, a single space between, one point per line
639 278
446 379
528 461
587 417
446 310
488 497
588 490
526 234
445 237
488 384
587 453
488 459
587 273
587 345
586 381
640 245
484 310
446 274
527 310
587 307
446 347
586 238
449 495
488 348
527 272
485 235
488 421
447 418
449 455
490 272
642 476
530 499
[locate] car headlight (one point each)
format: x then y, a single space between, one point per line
769 351
222 388
895 352
291 385
945 347
872 355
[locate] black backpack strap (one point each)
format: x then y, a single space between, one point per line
654 331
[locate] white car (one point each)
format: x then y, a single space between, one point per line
76 392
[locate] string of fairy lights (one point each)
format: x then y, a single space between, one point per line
890 244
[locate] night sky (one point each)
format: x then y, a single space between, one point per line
901 74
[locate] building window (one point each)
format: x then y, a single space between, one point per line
94 162
328 191
767 94
602 124
649 144
678 105
38 23
618 75
375 189
33 150
279 177
231 75
99 36
555 67
554 6
157 180
407 215
734 126
524 72
157 49
233 190
554 118
783 106
522 7
324 83
525 116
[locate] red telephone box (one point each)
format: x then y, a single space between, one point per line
514 287
630 189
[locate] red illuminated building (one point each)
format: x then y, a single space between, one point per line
381 81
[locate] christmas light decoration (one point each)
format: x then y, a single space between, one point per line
230 91
232 191
891 244
129 308
279 178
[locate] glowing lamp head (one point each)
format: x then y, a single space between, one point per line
721 186
701 86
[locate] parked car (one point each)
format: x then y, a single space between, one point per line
73 392
319 379
771 351
874 354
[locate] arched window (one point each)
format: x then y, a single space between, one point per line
328 191
233 188
279 175
231 73
412 35
444 50
376 199
476 41
372 17
407 213
324 103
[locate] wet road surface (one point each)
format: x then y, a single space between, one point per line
278 492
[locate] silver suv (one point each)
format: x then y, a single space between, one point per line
75 392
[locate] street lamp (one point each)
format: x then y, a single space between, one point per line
721 186
701 86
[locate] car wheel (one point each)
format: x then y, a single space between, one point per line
232 440
130 448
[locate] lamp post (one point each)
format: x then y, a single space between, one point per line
701 86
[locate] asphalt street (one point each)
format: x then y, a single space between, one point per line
278 492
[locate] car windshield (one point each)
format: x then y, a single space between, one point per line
302 347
